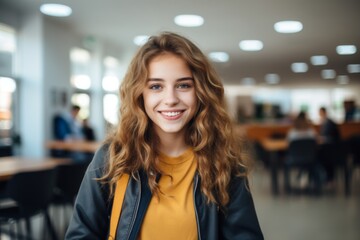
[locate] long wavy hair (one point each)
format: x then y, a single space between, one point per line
132 146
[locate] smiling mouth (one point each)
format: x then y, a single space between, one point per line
171 114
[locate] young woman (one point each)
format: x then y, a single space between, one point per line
175 140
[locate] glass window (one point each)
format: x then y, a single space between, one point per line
83 101
7 50
7 82
110 84
310 101
7 89
80 67
111 80
111 108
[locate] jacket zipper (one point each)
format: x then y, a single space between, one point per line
196 213
136 209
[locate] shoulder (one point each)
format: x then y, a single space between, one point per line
100 160
238 184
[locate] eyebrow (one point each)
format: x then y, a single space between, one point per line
177 80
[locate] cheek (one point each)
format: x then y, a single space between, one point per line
192 102
150 101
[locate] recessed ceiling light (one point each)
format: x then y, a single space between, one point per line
251 45
319 60
248 81
189 20
288 26
342 79
141 40
219 56
299 67
272 78
346 49
353 68
328 74
55 10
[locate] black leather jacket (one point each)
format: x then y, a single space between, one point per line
91 216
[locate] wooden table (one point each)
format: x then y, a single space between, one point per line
9 166
274 144
75 146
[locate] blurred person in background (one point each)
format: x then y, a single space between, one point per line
88 131
301 129
330 146
329 131
67 126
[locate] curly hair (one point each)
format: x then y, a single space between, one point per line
132 146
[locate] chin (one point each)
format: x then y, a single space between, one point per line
172 130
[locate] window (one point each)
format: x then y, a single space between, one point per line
80 67
111 108
7 50
110 84
310 100
80 79
7 82
83 101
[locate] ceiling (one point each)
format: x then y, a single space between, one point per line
327 23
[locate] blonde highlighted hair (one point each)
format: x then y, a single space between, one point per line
132 146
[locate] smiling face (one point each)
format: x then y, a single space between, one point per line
169 95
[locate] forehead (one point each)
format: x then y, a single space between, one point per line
168 64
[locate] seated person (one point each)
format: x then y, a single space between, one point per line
301 129
329 131
66 125
330 148
88 131
68 128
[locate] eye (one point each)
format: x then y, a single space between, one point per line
155 87
184 85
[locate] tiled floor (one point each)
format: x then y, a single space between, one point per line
331 216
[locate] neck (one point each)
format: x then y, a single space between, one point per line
172 145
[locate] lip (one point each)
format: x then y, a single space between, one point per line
165 114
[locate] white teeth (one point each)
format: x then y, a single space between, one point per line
171 114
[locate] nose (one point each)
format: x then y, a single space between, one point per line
170 97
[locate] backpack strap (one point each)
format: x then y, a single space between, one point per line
117 204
